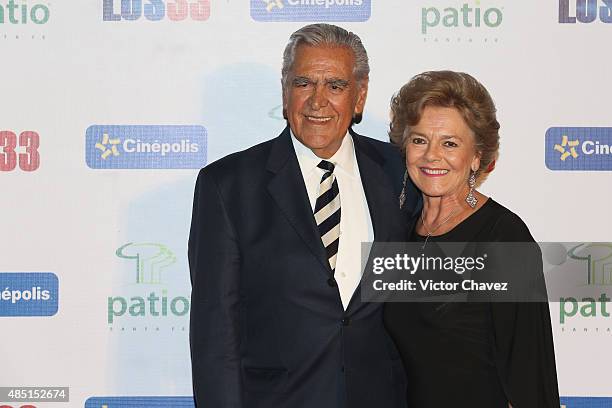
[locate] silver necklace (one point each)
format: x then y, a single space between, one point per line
429 233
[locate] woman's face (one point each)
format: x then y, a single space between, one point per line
440 152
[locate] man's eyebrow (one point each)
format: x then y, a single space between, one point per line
338 82
301 80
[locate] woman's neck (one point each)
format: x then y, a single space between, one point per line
442 214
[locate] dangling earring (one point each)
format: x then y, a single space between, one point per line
402 196
471 199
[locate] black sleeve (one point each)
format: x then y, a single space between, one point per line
523 340
214 263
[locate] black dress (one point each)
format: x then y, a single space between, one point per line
477 355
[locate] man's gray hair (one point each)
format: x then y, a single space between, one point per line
326 35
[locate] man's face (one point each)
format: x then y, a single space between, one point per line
321 96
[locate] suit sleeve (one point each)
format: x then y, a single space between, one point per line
214 263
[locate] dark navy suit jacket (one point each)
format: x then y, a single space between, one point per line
268 329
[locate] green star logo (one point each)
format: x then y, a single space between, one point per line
567 148
270 4
108 146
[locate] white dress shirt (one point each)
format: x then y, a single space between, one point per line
355 221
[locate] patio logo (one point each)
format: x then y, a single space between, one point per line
576 148
145 147
585 11
598 259
150 259
150 298
13 13
466 16
311 10
28 294
589 265
156 10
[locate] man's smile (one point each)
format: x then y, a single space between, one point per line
318 119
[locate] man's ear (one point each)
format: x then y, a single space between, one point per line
284 92
362 93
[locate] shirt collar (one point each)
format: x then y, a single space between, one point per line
343 159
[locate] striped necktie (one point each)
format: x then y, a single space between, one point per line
327 212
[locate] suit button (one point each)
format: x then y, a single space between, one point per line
332 282
346 321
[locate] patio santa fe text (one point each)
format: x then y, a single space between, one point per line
411 265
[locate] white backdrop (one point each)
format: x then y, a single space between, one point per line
121 328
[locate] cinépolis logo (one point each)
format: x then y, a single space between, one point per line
585 402
145 147
456 22
311 10
139 402
28 294
153 299
579 148
23 12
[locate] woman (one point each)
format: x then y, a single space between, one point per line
472 355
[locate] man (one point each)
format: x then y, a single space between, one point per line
274 251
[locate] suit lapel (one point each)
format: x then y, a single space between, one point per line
378 190
288 189
379 195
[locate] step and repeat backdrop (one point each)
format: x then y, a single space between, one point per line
109 108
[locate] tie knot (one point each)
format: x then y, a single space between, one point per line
327 166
